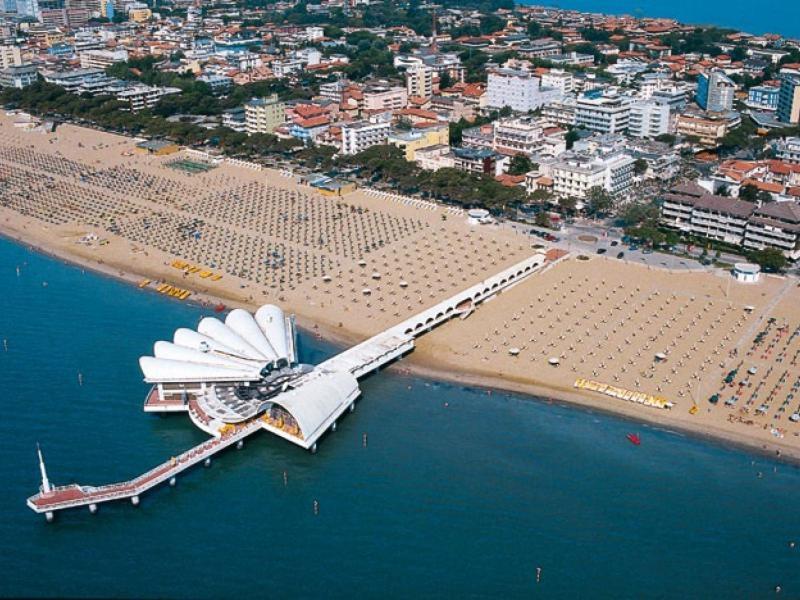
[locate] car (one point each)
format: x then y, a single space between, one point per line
550 237
647 251
633 248
601 250
620 255
614 242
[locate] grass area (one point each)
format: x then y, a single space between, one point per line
191 167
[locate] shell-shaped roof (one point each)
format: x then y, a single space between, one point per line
236 350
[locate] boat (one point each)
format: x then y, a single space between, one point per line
219 307
634 439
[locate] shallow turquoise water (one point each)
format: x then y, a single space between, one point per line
463 500
766 16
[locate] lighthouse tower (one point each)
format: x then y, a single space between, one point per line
46 488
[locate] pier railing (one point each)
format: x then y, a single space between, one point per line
71 496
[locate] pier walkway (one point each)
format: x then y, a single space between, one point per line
320 407
74 495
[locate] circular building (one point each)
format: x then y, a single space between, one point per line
746 272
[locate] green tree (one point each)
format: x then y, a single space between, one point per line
771 260
542 219
519 165
749 193
599 202
636 215
640 166
568 204
666 138
571 137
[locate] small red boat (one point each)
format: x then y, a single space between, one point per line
634 439
219 307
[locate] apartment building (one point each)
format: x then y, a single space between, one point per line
648 119
763 97
715 91
574 174
478 137
384 97
563 81
693 210
360 135
334 90
419 81
605 112
434 158
475 160
235 119
18 76
414 140
708 130
456 108
789 99
541 48
10 56
788 149
287 67
219 84
517 136
773 225
674 97
264 115
101 59
520 90
560 112
140 97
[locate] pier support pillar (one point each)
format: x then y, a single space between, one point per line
313 448
172 481
49 516
240 444
352 406
93 508
135 500
333 426
207 462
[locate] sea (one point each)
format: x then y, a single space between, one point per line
765 16
458 492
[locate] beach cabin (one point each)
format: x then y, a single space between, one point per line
746 272
157 147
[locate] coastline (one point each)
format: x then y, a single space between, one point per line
680 13
421 363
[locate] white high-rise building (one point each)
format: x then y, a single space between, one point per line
648 119
563 81
575 174
604 112
100 59
360 135
515 136
520 90
419 81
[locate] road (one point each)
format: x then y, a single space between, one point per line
589 236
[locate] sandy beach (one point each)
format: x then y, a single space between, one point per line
351 266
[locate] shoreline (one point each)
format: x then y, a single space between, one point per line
534 391
632 11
